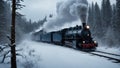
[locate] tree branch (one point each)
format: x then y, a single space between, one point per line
5 56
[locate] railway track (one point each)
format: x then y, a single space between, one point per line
108 53
109 56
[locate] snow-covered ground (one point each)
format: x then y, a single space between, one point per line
110 50
43 55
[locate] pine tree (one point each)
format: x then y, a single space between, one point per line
118 11
4 21
93 15
113 16
118 14
106 12
103 12
98 22
89 15
91 18
117 24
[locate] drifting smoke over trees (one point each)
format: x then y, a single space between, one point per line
105 22
22 25
68 12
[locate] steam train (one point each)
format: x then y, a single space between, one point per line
76 37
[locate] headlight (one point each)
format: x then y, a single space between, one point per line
95 42
87 27
83 41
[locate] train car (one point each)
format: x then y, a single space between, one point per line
35 36
46 37
57 38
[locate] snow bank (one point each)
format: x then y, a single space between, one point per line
52 56
109 50
43 55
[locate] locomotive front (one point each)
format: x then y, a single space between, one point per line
86 41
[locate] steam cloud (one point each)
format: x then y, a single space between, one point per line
68 12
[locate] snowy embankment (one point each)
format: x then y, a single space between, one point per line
43 55
109 50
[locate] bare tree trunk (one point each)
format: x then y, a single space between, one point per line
13 50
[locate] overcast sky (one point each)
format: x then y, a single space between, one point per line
38 9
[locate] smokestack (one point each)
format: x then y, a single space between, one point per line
83 24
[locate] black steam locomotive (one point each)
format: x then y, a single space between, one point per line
77 37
